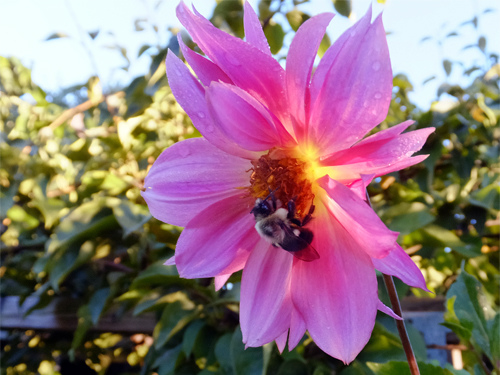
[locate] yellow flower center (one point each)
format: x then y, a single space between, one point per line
290 174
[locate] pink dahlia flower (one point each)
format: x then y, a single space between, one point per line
298 135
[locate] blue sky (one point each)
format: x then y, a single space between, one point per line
59 63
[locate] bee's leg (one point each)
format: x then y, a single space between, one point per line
291 209
273 198
308 217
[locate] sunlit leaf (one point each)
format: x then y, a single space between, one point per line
343 7
57 36
275 36
296 18
447 64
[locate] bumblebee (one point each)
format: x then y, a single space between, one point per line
283 229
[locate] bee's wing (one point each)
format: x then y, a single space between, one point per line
298 245
307 255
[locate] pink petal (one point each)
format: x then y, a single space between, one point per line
358 187
387 310
215 237
191 96
205 70
254 34
337 295
170 261
190 176
265 306
297 329
281 341
299 63
358 219
243 119
247 66
386 151
330 57
356 91
220 281
399 264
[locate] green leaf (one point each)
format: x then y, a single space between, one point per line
494 333
190 336
19 215
223 353
167 360
131 216
447 66
296 18
343 7
86 221
470 307
51 210
481 43
324 45
488 197
97 303
402 368
382 347
173 319
440 236
275 36
248 361
143 49
84 324
293 367
407 217
158 274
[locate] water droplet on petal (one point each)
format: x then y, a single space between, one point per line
376 66
201 115
378 95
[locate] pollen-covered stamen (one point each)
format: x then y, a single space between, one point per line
286 176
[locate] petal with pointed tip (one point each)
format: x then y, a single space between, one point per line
190 176
386 151
358 219
336 295
399 264
297 328
265 306
387 310
247 66
254 34
299 63
216 237
205 70
356 92
244 120
281 341
190 94
220 280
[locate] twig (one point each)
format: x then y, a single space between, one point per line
396 307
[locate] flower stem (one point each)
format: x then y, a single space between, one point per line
396 307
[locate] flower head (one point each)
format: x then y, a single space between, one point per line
282 170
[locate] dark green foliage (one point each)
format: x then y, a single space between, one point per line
74 225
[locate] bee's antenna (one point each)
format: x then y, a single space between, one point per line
271 195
